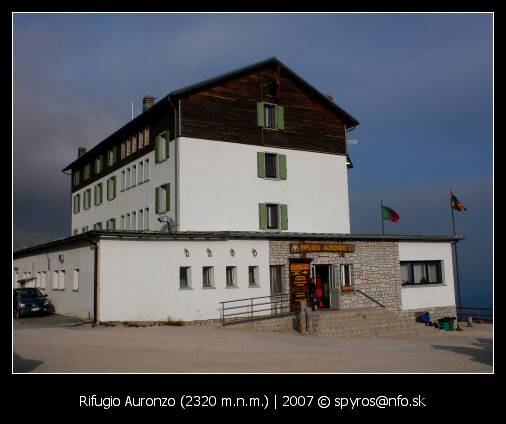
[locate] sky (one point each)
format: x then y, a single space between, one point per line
421 86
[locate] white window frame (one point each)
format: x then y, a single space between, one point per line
256 274
188 278
233 275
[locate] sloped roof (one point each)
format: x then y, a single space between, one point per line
175 94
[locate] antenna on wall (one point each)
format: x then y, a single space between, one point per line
132 110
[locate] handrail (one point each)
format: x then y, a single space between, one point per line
249 311
483 314
370 298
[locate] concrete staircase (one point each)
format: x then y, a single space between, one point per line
367 322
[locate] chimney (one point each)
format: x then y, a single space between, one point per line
328 96
81 151
147 102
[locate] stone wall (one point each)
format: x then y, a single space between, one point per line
375 271
435 313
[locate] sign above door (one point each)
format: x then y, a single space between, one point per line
322 247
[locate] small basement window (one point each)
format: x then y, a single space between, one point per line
208 277
231 276
253 276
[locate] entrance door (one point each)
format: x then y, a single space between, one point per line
334 286
322 280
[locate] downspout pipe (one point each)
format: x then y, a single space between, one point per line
95 246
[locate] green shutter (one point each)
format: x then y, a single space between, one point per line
261 164
284 216
157 149
114 187
157 200
280 117
167 140
282 166
262 215
100 192
95 195
167 196
260 114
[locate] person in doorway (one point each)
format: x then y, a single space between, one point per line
312 299
319 290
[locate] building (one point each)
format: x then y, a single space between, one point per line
208 196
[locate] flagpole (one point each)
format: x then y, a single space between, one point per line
382 220
456 256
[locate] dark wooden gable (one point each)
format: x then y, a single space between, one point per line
226 110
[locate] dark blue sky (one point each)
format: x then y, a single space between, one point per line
420 85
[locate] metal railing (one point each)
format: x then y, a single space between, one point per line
254 308
477 314
370 298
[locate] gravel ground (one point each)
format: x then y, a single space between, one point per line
60 344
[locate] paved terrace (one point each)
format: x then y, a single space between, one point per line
56 344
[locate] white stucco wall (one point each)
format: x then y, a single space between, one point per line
140 196
139 280
66 301
427 296
220 189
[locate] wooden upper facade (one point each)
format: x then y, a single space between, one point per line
229 108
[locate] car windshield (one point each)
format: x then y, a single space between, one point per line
28 293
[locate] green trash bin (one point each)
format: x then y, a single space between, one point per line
446 323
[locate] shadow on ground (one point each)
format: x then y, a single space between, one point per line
25 365
481 353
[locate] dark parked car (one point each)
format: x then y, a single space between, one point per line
30 301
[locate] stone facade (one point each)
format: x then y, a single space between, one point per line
375 271
435 313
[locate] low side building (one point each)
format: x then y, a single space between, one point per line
131 276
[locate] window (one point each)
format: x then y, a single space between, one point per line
123 222
98 194
184 277
140 214
77 177
253 276
141 140
134 176
271 165
111 224
75 231
123 180
127 222
128 147
127 181
421 272
269 88
231 276
276 279
111 188
87 199
99 163
146 219
146 136
123 150
61 280
162 198
346 276
97 226
110 158
273 216
270 115
75 280
134 143
133 221
208 277
162 147
84 229
77 203
140 176
87 171
146 170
